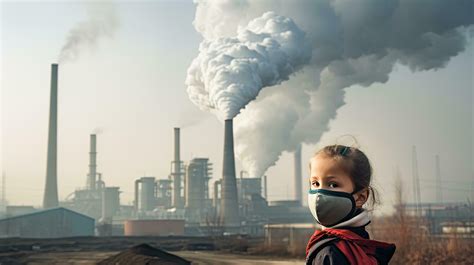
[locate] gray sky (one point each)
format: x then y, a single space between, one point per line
131 89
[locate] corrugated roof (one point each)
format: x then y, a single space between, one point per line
45 211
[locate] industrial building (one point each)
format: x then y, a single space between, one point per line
198 204
152 195
168 227
49 223
145 195
13 210
442 218
96 199
237 206
248 186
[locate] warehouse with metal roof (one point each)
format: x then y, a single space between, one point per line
50 223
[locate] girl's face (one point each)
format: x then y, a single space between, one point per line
327 174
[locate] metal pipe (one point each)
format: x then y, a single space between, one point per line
217 183
50 198
135 203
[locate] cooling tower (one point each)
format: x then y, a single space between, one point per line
50 199
298 180
176 174
91 178
229 214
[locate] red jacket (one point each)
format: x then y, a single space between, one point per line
355 248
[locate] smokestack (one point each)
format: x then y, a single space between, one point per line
229 214
298 177
50 199
91 180
176 200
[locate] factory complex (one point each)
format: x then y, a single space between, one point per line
183 203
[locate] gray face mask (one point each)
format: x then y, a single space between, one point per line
331 207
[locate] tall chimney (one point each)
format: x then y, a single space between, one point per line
50 199
298 177
176 200
229 214
91 178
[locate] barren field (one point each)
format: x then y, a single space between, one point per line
90 250
196 258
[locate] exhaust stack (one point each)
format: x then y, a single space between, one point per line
50 199
298 177
176 172
229 214
91 180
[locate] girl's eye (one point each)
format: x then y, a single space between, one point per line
333 185
315 183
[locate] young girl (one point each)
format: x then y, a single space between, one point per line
340 186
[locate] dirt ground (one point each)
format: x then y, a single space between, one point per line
90 250
204 258
196 257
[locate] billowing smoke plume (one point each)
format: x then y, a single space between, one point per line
353 43
229 72
102 22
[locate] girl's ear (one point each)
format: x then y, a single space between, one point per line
361 197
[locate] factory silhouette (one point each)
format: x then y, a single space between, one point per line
178 205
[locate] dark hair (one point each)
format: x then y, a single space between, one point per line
356 165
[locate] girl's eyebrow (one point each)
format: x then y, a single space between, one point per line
328 177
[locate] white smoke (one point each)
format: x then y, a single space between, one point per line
102 21
229 72
353 43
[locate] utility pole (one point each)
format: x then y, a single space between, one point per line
416 184
439 191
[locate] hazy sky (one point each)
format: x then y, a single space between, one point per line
131 90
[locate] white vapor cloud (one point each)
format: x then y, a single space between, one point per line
353 43
102 22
